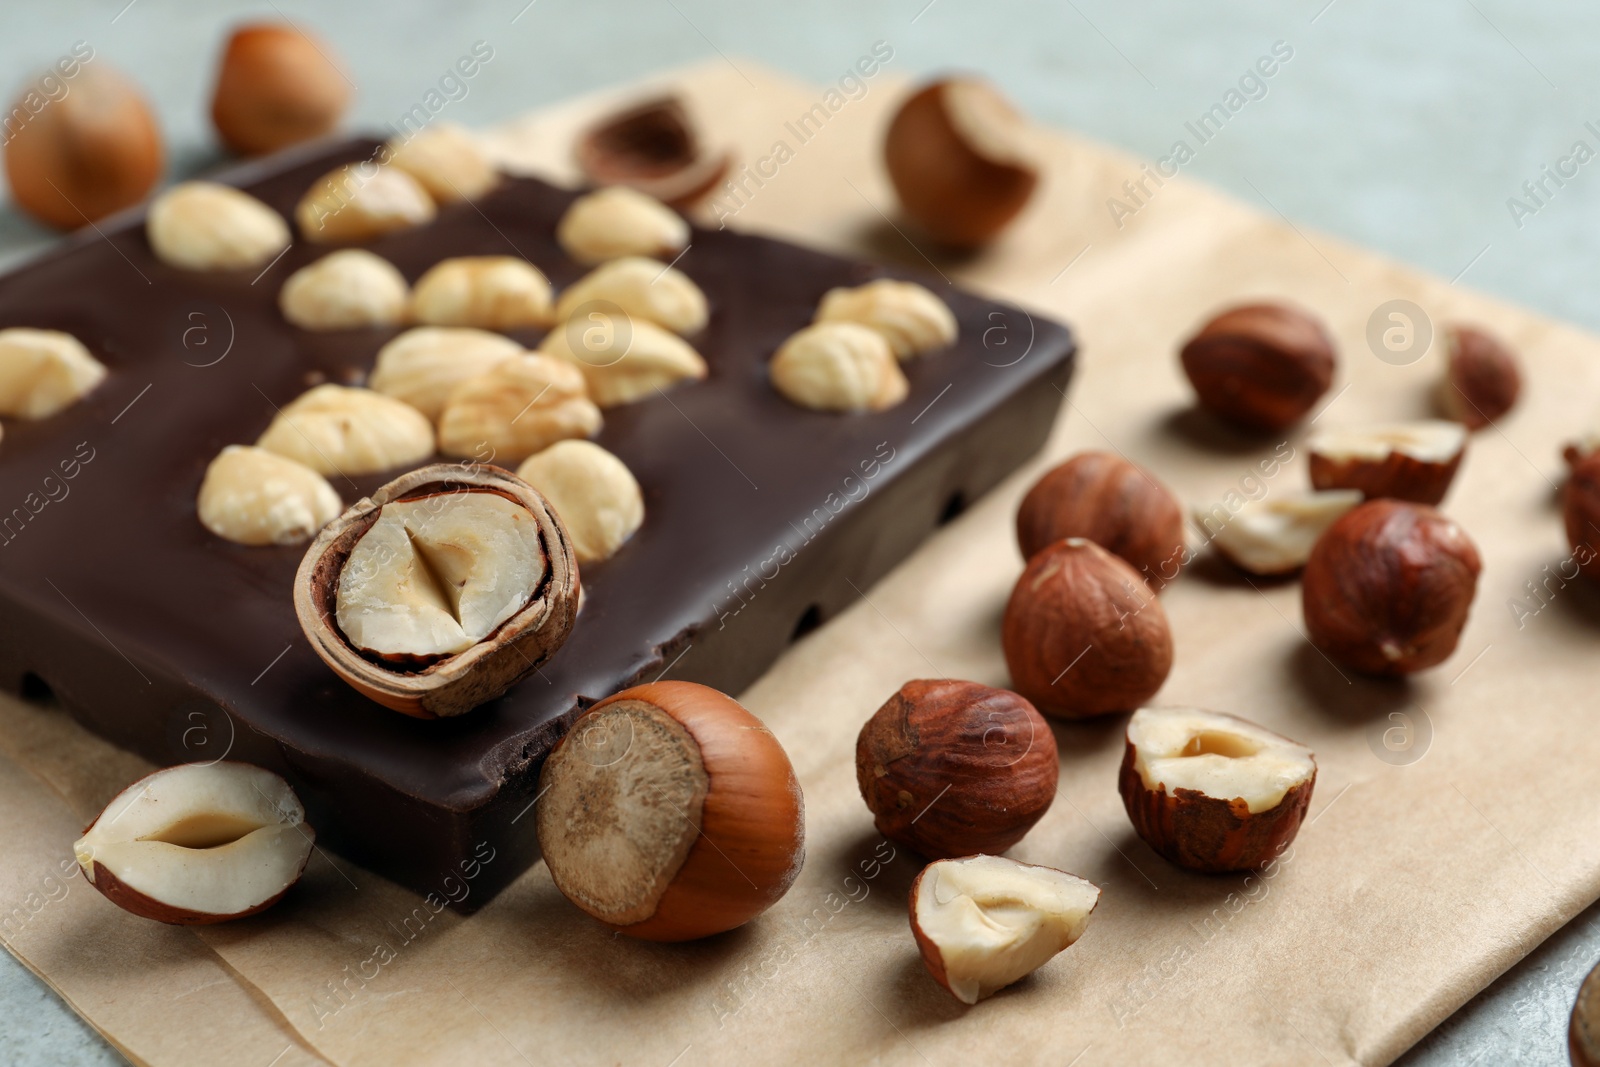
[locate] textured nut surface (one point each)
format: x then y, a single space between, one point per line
1260 367
593 493
1583 1035
522 405
623 359
490 292
276 87
1482 380
1114 503
424 365
985 755
255 497
1580 506
1083 635
344 290
643 289
618 221
911 318
361 202
209 226
445 160
43 372
1388 587
337 429
838 366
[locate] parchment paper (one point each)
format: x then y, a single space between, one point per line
1452 829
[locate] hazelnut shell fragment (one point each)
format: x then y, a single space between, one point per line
457 683
1413 461
652 147
1260 367
1388 587
668 812
955 154
1201 829
1114 503
1083 635
951 768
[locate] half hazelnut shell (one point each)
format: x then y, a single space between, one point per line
447 685
652 147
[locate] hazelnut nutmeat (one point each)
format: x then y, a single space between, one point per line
1211 792
838 366
652 147
345 290
959 162
254 497
521 405
362 202
1114 503
1274 536
912 319
640 288
669 812
622 358
1388 587
618 221
1413 461
343 430
423 365
446 160
209 226
1082 633
984 922
1482 380
951 768
593 492
94 151
440 591
198 843
43 372
488 292
1260 367
1580 508
276 87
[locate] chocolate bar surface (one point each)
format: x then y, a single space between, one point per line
762 519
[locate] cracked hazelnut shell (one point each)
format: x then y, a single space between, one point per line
1388 587
951 768
1260 367
1082 633
653 147
440 686
1114 503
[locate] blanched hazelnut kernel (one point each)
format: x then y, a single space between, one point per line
617 221
839 366
642 288
623 359
445 160
912 319
254 497
361 202
593 493
522 405
209 226
423 365
43 372
337 429
489 292
345 290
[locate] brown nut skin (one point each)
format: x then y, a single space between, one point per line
1082 633
652 147
1580 506
951 768
959 195
1388 587
1260 367
458 683
1114 503
131 900
1583 1036
94 151
1395 477
275 87
752 824
1482 381
1208 834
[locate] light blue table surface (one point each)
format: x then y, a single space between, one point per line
1405 127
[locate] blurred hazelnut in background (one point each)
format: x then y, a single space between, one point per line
85 150
277 86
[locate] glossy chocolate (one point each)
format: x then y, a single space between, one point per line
762 519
